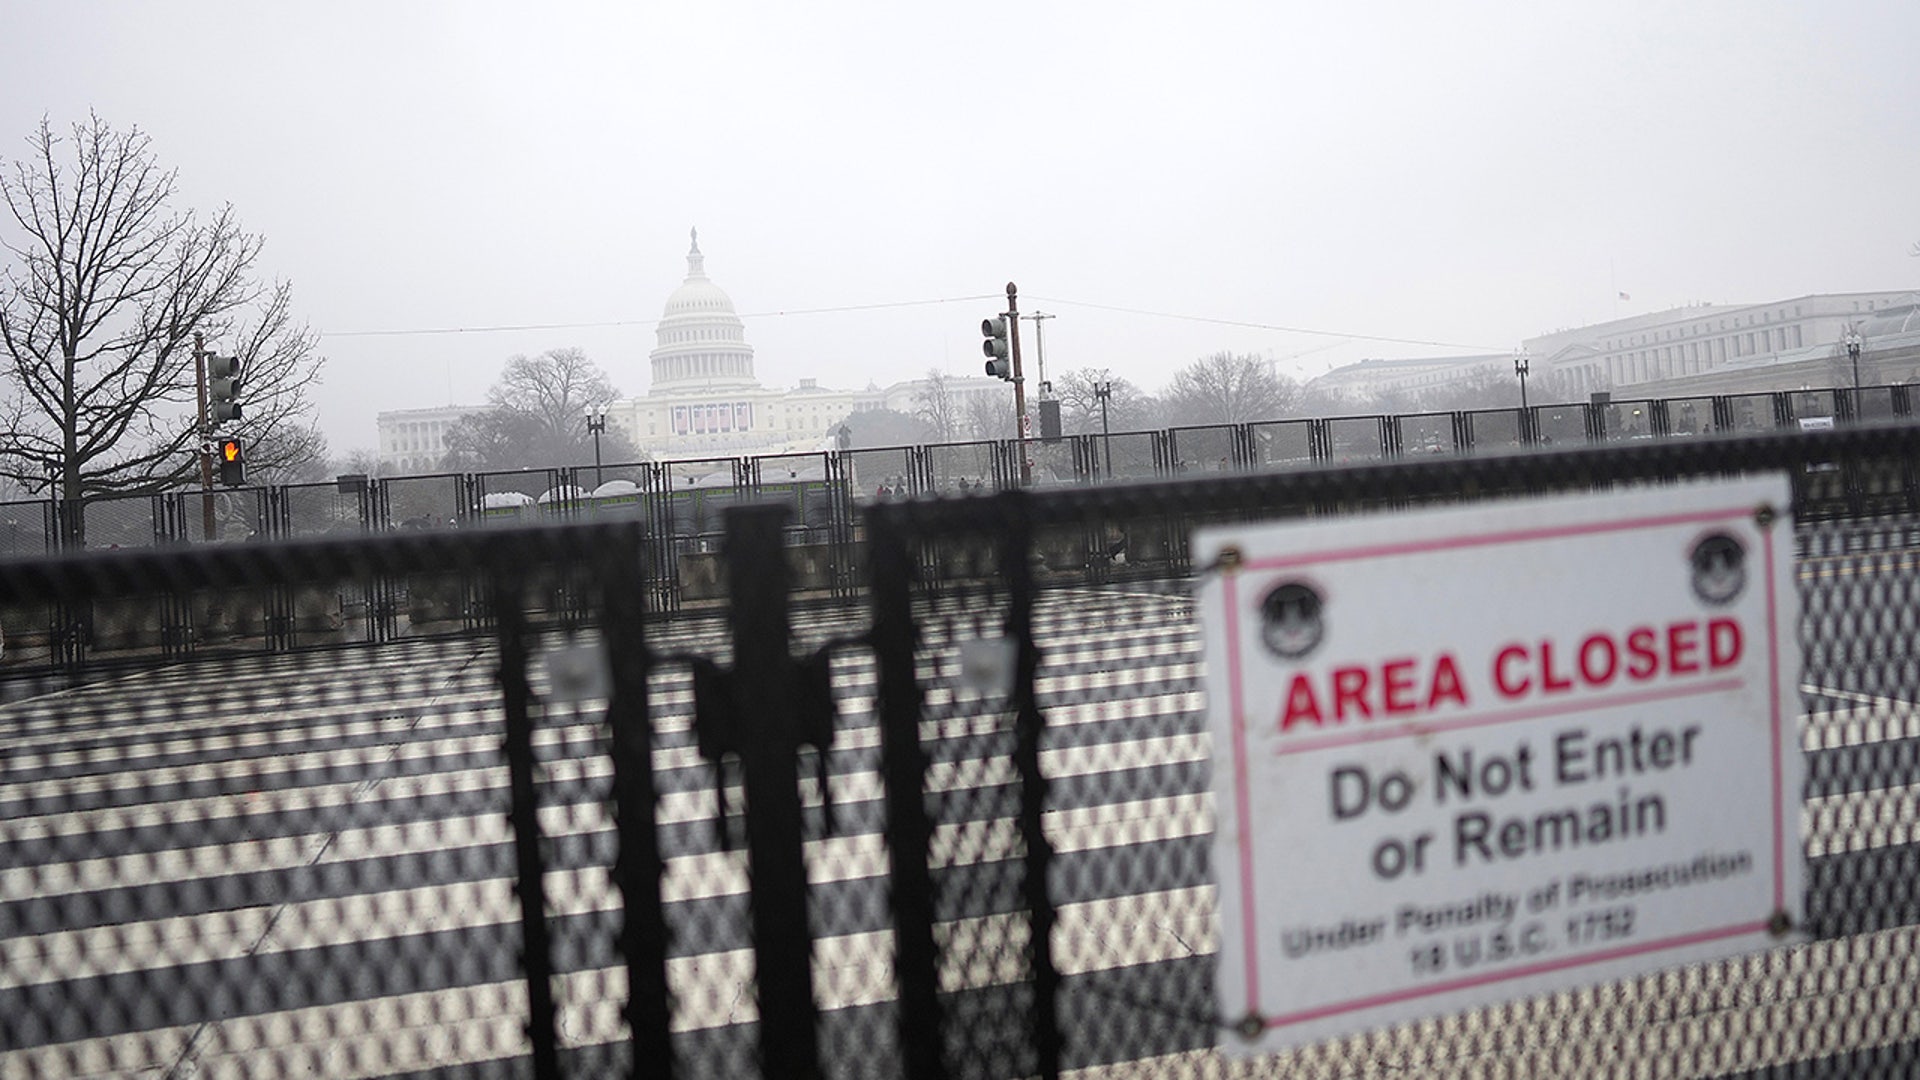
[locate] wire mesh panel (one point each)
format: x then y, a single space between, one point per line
1282 443
323 509
1426 433
26 529
801 482
1132 455
710 970
1627 420
977 465
1752 412
848 907
1876 403
618 492
867 471
1057 461
968 664
1690 416
1204 449
1560 425
1494 429
1356 438
222 515
259 864
1814 405
425 502
137 521
517 498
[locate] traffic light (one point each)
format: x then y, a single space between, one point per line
233 462
223 388
995 346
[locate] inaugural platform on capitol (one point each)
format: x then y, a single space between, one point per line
1464 755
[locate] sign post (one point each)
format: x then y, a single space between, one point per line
1469 754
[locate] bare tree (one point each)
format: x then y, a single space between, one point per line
937 406
292 454
555 387
1128 407
538 417
1228 388
361 460
99 303
987 414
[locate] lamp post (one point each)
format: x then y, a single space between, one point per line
1521 364
1104 390
596 423
1853 353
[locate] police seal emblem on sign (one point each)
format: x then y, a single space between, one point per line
1719 568
1290 620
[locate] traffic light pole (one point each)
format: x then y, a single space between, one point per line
1019 386
205 432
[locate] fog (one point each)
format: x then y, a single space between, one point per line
1315 183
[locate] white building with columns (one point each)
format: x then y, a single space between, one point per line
705 399
1660 347
413 441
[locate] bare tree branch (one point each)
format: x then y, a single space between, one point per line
1226 388
538 416
937 406
99 304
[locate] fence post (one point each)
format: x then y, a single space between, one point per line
1029 723
515 697
909 833
769 747
638 866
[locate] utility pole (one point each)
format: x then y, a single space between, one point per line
1019 386
1040 350
206 438
1104 390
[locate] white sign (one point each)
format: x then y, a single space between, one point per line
1470 754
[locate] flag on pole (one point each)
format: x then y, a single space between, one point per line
1624 296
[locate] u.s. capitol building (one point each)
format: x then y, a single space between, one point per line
704 397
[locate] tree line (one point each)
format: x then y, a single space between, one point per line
1220 388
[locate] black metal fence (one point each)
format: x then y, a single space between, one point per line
950 818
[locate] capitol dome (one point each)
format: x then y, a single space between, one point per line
702 344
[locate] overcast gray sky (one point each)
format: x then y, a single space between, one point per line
1462 173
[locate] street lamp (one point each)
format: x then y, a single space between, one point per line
1104 391
1521 363
596 423
1853 353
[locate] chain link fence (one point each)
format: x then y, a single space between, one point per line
956 823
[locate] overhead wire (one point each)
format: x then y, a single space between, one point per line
1342 335
1349 336
651 322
